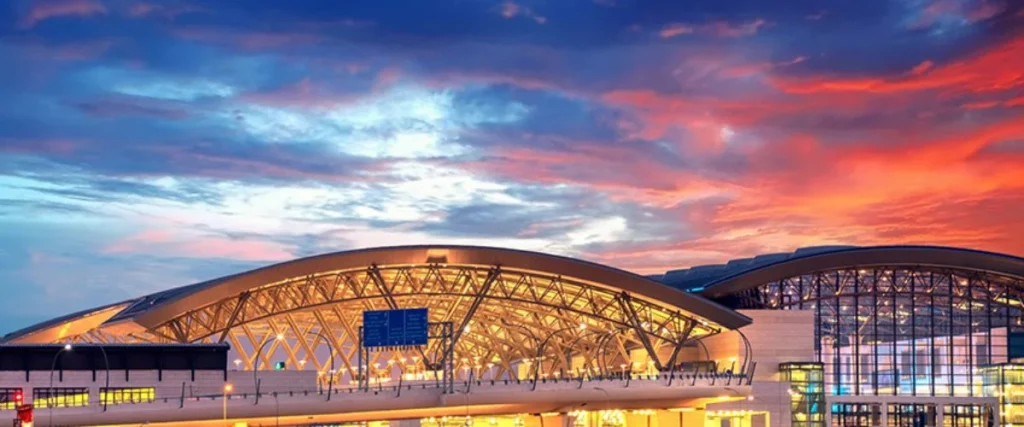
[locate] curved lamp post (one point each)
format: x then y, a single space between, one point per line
330 348
601 343
590 333
603 348
53 365
256 365
540 349
536 341
106 361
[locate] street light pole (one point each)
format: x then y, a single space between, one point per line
106 361
536 341
227 389
53 365
330 349
540 349
256 365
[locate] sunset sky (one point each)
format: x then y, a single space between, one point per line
148 145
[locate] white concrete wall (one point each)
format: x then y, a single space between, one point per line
778 336
170 386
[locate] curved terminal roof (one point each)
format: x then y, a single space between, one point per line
714 281
152 310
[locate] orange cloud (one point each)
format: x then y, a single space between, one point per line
995 69
624 171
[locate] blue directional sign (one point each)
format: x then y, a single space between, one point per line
395 328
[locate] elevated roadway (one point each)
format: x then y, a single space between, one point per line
412 401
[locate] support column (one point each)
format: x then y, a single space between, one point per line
641 420
693 419
669 418
531 421
560 420
938 413
404 423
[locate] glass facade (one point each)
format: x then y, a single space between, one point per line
63 397
903 331
1006 381
807 393
119 396
7 398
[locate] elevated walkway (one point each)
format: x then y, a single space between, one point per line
410 401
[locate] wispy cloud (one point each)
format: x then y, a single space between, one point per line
42 10
155 144
511 9
716 29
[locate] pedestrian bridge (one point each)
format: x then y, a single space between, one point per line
413 401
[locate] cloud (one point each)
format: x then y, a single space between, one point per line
143 148
166 243
511 10
939 13
716 29
995 68
126 106
166 10
43 10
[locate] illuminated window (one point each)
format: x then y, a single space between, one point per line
119 396
903 331
7 399
60 397
807 393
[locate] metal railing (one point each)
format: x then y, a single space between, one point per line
686 379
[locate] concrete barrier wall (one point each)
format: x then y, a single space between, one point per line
169 385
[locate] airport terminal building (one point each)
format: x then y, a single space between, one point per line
837 336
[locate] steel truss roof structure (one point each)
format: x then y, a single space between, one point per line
507 306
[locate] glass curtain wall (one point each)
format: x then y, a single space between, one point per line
903 331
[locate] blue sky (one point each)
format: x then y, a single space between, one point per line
151 144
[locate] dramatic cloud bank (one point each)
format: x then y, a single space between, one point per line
146 145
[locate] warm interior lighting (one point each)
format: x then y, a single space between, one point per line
228 388
67 347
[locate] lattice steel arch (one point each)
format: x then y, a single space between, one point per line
472 287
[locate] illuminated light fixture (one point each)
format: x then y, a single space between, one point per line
550 414
681 409
437 256
67 347
280 337
228 388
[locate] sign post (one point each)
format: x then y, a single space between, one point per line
401 330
